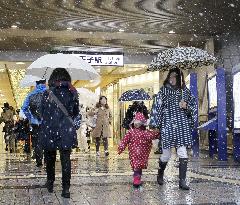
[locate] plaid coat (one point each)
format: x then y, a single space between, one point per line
175 123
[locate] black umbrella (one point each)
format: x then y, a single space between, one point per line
135 95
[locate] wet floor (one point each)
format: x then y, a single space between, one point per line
101 180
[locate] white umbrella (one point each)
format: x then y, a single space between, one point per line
77 68
87 97
29 80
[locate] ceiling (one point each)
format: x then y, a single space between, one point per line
136 25
141 27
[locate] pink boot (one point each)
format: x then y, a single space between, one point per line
137 181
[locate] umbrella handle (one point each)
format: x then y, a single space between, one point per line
45 73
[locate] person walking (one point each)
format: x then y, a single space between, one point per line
31 109
103 122
7 116
57 130
173 113
139 142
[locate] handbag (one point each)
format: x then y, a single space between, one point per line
76 122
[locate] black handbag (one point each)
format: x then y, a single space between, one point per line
76 122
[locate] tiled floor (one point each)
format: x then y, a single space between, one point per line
100 180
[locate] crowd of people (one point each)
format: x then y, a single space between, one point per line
50 119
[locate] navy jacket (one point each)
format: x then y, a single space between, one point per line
57 132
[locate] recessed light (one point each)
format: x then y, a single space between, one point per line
20 63
69 28
172 32
14 26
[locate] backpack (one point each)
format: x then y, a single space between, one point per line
35 102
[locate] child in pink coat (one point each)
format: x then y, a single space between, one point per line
139 142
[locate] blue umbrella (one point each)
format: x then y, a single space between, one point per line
134 95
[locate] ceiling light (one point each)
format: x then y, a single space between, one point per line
20 63
69 28
14 26
172 32
91 81
1 95
121 30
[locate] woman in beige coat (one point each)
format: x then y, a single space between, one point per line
103 122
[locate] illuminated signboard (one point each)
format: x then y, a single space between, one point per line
236 99
212 92
102 60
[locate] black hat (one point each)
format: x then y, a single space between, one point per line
40 82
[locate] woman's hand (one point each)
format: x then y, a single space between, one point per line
183 104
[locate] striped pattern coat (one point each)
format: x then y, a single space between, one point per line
175 123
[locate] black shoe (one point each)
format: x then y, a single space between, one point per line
162 167
49 186
157 152
6 149
11 150
39 165
65 193
106 154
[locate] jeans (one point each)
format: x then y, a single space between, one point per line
66 166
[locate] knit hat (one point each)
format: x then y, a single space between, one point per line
140 118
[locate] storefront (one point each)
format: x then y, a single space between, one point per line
148 81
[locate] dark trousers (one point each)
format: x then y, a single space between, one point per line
66 166
37 144
105 143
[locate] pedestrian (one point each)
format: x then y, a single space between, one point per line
173 113
31 109
57 129
139 142
103 122
7 116
137 106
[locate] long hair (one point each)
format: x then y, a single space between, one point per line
98 105
180 78
59 74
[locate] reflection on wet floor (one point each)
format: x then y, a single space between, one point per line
107 180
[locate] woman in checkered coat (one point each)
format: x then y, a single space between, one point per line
173 113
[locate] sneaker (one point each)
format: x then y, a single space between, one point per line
98 154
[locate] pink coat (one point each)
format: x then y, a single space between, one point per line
139 144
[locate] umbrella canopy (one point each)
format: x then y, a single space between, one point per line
134 95
181 57
77 68
87 97
29 80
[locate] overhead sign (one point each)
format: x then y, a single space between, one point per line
102 60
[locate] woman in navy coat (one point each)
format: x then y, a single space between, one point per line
173 113
57 131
